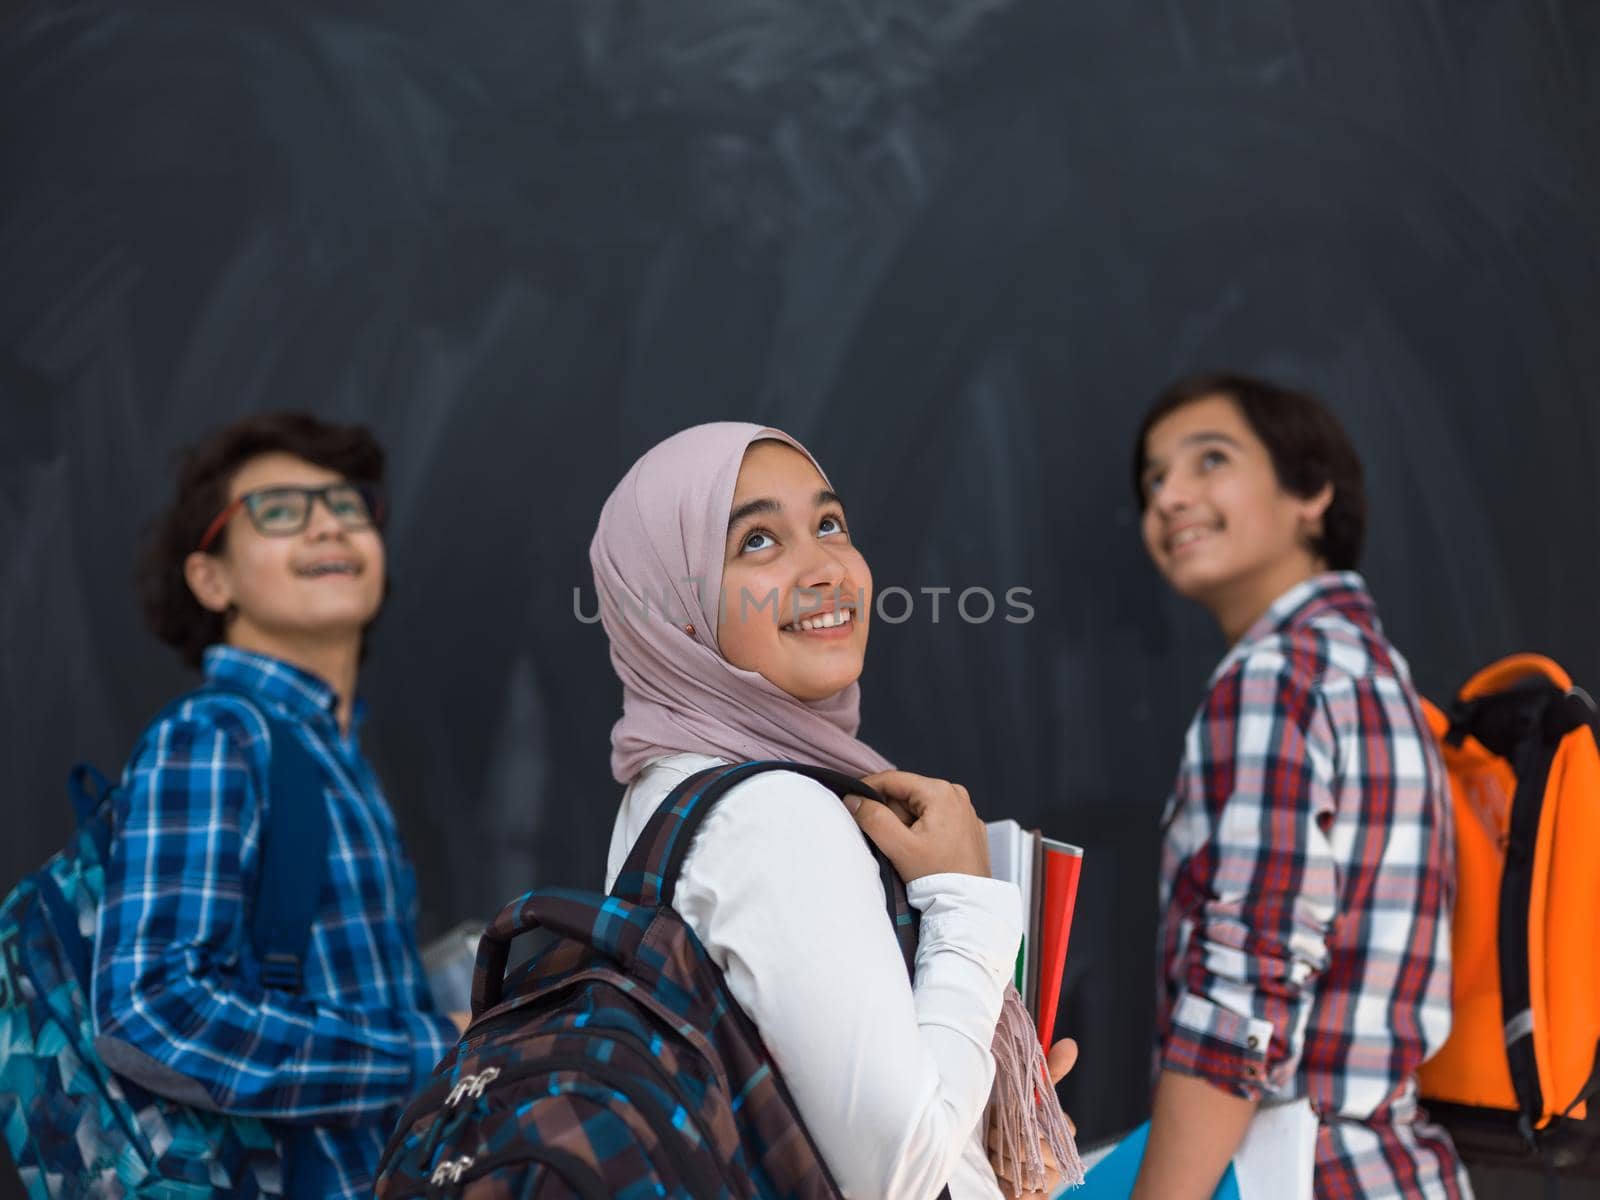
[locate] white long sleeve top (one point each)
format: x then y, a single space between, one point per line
890 1076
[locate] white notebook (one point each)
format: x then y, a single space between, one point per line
1278 1156
448 961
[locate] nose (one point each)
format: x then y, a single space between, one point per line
824 569
821 580
1173 496
320 520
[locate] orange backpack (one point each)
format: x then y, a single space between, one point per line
1523 1056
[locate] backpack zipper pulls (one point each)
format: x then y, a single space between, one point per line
471 1086
482 1080
451 1170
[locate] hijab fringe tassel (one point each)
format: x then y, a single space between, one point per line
1023 1112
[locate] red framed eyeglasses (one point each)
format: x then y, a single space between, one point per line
284 510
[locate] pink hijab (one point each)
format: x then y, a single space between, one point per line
657 556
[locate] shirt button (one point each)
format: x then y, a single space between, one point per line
1252 1041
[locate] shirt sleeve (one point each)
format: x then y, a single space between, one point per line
178 1002
1267 881
891 1079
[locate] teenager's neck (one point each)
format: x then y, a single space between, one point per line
334 660
1244 602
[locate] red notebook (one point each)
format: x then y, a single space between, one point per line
1062 864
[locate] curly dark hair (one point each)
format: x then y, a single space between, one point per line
205 472
1308 447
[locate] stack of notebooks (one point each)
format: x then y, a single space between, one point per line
1046 872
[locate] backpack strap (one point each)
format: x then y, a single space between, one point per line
649 876
294 852
89 790
294 836
1589 1088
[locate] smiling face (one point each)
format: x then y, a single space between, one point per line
1217 523
796 595
324 584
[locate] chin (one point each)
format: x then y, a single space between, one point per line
343 624
821 687
1191 580
817 695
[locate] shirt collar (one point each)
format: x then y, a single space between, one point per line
1343 592
280 684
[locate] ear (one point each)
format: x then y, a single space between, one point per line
1313 509
208 580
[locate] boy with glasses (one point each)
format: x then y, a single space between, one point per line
266 572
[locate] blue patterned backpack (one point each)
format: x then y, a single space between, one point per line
616 1062
75 1128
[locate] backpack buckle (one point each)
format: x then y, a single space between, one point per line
281 971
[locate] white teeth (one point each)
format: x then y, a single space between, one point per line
337 568
823 620
1185 536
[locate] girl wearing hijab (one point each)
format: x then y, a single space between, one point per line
737 609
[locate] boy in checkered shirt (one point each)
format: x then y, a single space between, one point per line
1307 866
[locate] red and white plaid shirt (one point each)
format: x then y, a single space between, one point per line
1307 878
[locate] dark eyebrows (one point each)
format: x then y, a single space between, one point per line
1195 439
770 507
751 508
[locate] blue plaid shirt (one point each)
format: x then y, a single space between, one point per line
338 1058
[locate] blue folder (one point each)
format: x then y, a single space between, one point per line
1112 1177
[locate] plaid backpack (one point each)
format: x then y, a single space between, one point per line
616 1062
75 1128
